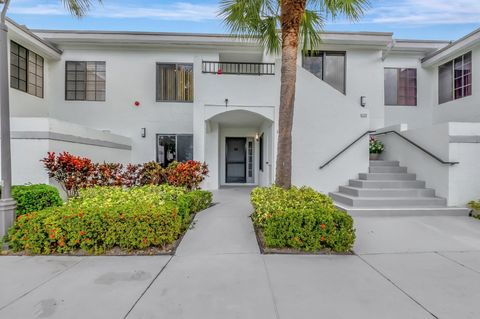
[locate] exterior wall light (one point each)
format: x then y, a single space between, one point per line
256 137
363 101
143 132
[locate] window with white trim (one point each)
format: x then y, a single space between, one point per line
455 79
26 70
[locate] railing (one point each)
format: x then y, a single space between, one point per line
245 68
345 148
417 146
383 133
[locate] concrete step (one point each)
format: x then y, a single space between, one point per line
384 163
386 183
387 169
387 176
390 202
387 192
409 211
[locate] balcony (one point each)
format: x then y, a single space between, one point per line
240 68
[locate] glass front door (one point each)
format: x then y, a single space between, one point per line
236 160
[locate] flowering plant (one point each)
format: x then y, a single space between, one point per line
376 146
188 174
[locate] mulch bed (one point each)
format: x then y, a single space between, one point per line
287 250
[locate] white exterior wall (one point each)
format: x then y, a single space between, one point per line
452 142
33 138
326 121
466 109
130 77
415 116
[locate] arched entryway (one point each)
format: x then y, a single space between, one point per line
239 147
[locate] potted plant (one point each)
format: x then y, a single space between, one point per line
376 148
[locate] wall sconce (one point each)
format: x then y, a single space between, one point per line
256 137
143 132
363 101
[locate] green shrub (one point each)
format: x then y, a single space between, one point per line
475 205
301 218
31 198
101 218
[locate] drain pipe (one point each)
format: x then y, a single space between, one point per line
389 48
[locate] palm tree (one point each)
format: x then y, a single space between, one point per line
7 205
299 21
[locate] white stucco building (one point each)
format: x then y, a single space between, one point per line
143 96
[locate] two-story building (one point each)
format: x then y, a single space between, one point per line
151 96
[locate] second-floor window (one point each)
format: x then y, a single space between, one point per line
455 79
85 81
328 66
26 70
400 86
174 82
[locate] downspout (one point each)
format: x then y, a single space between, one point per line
389 48
7 204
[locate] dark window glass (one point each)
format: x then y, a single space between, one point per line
328 66
400 86
175 82
455 79
26 70
174 148
85 81
261 155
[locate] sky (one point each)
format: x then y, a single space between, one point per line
407 19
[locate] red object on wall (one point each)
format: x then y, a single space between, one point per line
136 103
219 71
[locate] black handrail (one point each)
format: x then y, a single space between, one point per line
344 149
417 146
244 68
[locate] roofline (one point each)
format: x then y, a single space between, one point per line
33 35
451 45
423 41
215 35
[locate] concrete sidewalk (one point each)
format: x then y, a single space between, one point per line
405 267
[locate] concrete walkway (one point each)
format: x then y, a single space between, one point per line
405 267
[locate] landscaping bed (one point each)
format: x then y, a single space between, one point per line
300 221
110 220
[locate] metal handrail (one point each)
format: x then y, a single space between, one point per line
344 149
417 146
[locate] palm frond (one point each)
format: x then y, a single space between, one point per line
351 9
79 7
310 27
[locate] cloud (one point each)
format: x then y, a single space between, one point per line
425 12
178 11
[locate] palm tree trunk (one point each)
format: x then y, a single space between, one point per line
291 16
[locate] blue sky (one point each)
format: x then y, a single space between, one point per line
412 19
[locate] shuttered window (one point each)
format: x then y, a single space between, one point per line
26 70
174 82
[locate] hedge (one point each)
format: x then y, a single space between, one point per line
301 218
31 198
102 218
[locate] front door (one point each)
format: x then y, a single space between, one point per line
235 160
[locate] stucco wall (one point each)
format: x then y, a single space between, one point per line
466 109
414 116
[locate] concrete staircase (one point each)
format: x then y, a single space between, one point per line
389 190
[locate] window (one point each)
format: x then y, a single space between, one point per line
328 66
260 156
173 147
175 82
26 70
400 86
455 79
85 81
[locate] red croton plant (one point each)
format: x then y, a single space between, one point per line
74 173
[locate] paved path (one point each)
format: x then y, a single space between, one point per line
410 267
